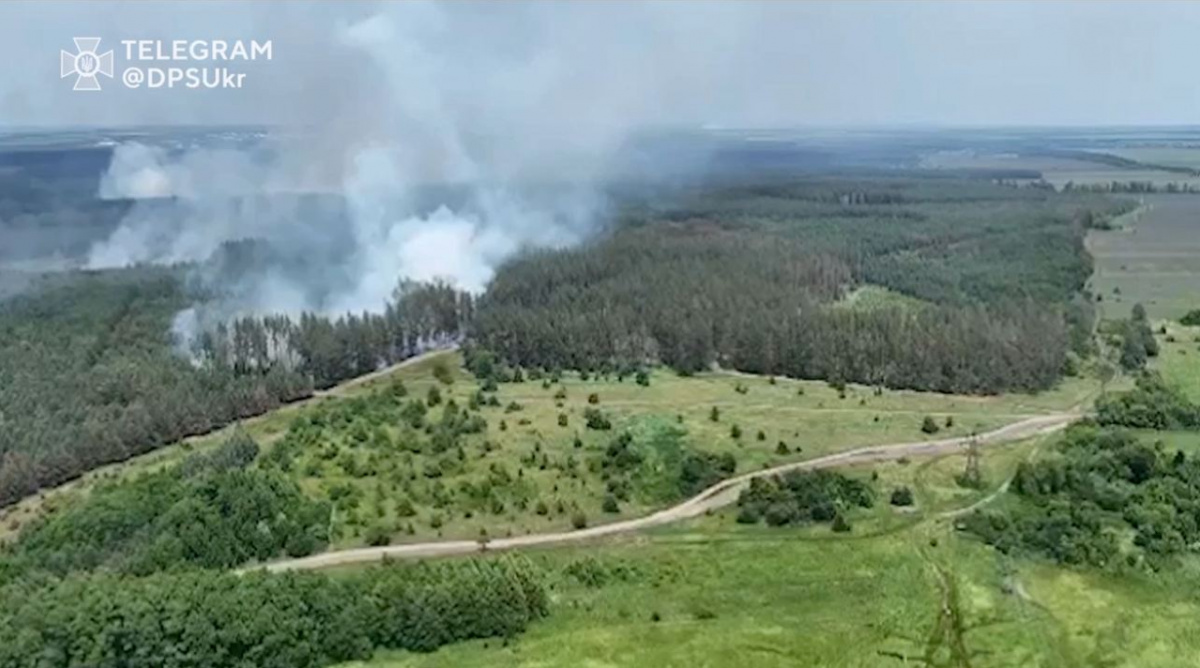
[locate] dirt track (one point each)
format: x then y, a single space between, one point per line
720 494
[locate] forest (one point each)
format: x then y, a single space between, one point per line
1105 498
90 372
224 620
749 277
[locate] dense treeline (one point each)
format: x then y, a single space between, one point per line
803 497
203 618
329 350
211 511
745 277
88 376
1133 187
1152 404
90 373
1079 505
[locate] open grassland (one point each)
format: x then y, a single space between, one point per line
1155 260
527 473
1179 357
902 588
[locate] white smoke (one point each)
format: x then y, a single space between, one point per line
519 111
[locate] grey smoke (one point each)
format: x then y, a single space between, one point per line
520 115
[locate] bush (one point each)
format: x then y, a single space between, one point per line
840 524
929 425
442 373
1191 319
735 432
593 398
579 520
715 414
902 496
596 419
782 448
643 379
434 396
610 504
378 535
562 419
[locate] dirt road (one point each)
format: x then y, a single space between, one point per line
717 496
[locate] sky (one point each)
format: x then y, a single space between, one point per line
616 64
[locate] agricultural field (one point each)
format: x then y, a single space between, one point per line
519 470
1187 157
1056 170
1154 259
901 588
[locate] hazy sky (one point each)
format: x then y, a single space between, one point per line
684 62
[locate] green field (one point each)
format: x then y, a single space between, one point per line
1179 359
531 460
899 585
1154 261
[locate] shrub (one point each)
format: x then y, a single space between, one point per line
377 535
735 431
610 504
593 398
929 425
840 524
902 496
782 448
642 378
715 414
596 419
442 373
562 419
434 396
579 520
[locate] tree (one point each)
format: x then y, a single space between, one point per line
930 425
715 414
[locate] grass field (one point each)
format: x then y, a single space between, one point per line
539 459
1155 261
900 585
1179 357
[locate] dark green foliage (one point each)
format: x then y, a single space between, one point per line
735 431
610 505
594 418
782 448
88 376
442 373
562 419
715 414
90 373
214 518
1074 506
746 275
642 378
267 621
802 497
929 425
701 470
579 520
1152 404
433 397
1191 319
593 398
902 496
